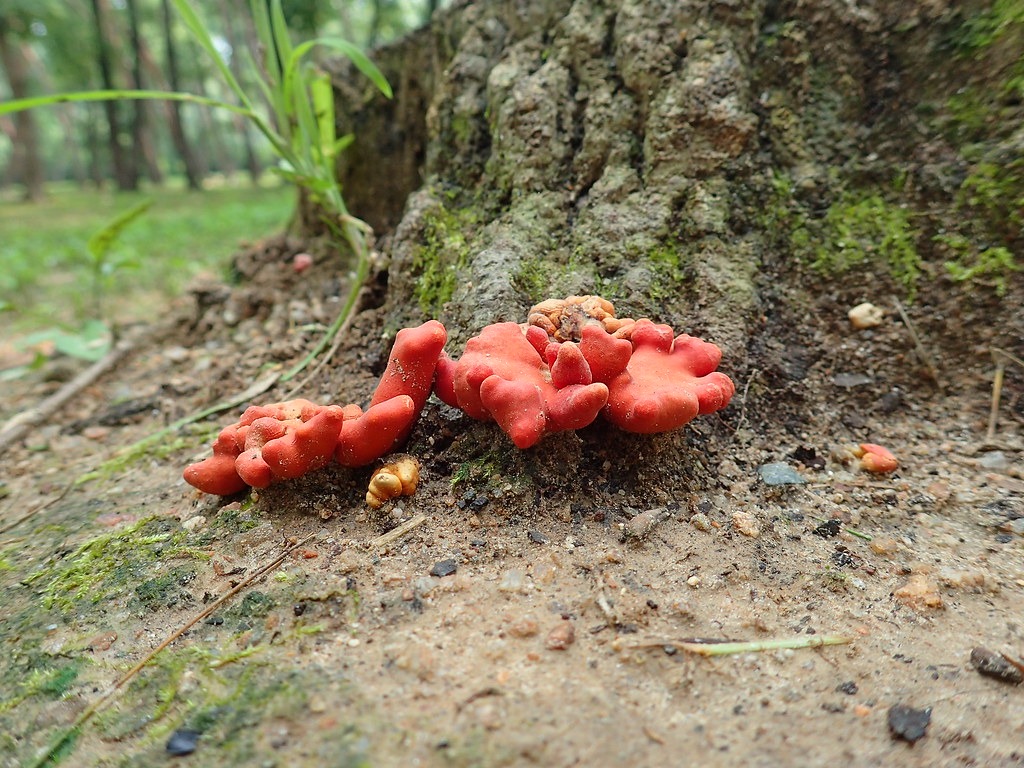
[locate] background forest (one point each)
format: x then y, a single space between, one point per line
93 195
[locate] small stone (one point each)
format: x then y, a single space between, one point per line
537 537
884 545
993 665
849 688
301 262
920 593
102 642
96 433
994 460
829 528
561 637
1014 526
194 523
183 742
444 568
701 522
849 380
866 315
525 627
908 723
779 473
746 523
511 581
176 354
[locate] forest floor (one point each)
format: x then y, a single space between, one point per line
558 636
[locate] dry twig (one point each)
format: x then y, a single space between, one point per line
387 539
922 353
706 647
20 424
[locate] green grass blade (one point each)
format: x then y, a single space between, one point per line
202 36
100 243
323 111
357 57
19 105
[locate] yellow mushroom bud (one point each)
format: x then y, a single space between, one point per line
397 478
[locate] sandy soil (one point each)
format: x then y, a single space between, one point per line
559 636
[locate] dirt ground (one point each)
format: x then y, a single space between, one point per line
558 636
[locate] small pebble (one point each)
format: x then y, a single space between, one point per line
194 523
908 723
746 523
779 473
866 315
992 460
444 568
919 593
102 642
993 665
537 537
701 522
183 742
561 637
525 627
829 528
848 380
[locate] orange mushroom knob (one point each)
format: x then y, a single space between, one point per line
217 474
502 376
400 396
877 459
667 381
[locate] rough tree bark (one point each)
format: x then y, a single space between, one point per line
637 148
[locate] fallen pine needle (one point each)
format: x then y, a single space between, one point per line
922 352
394 534
704 647
72 733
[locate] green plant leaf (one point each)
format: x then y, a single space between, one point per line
359 59
101 242
19 105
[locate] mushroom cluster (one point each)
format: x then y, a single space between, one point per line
572 361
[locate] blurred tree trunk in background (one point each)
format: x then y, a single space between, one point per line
242 126
26 161
142 125
125 172
94 144
194 170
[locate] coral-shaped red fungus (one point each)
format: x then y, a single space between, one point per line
269 442
667 381
286 440
503 376
400 395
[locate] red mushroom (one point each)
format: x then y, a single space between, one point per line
268 443
666 382
877 458
400 396
217 474
502 376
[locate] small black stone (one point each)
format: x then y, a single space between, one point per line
829 528
849 688
908 723
537 537
444 568
298 609
993 665
183 742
